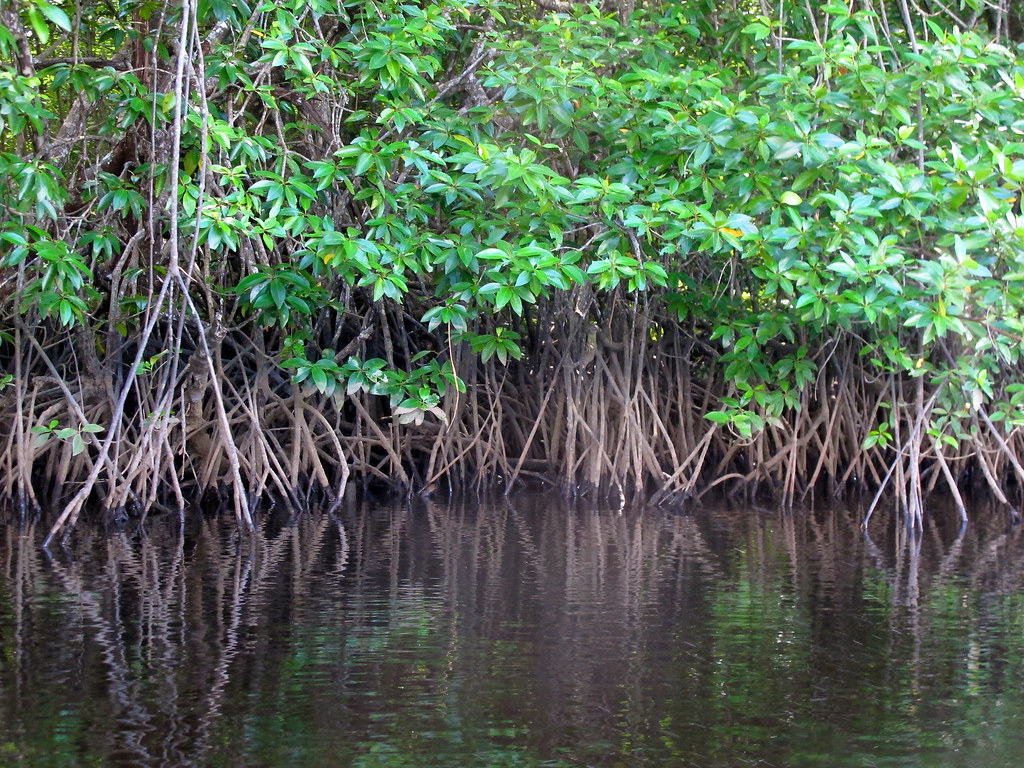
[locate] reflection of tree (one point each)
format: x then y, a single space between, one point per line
500 633
167 627
569 600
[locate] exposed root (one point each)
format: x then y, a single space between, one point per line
623 418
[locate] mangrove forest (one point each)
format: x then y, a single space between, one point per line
260 251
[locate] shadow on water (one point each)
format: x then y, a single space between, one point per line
513 634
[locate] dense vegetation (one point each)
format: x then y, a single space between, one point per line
658 248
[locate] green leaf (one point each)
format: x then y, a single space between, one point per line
35 19
363 164
54 14
757 29
789 197
277 293
319 378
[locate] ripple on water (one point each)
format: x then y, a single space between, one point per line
518 633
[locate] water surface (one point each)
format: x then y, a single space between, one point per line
516 633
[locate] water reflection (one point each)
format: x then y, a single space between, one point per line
516 633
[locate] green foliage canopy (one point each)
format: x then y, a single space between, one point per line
776 184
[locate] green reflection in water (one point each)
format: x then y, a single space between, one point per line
524 634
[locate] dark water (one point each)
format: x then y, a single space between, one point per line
520 633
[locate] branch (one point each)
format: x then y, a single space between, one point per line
558 6
10 17
121 64
476 58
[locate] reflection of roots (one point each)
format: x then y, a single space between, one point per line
153 607
364 585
